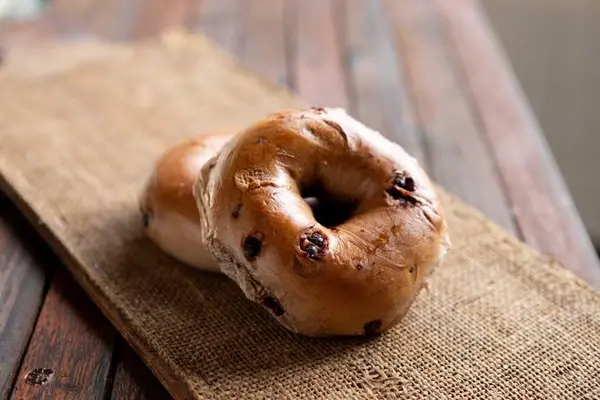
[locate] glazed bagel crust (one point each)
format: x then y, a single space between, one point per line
359 276
168 206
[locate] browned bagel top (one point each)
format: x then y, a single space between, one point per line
171 183
325 274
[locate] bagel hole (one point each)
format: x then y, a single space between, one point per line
329 211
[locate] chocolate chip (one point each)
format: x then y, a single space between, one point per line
399 195
252 245
146 219
409 184
404 181
312 251
373 327
411 268
401 187
236 211
317 239
39 376
314 244
360 266
272 304
260 140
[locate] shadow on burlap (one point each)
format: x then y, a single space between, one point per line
78 136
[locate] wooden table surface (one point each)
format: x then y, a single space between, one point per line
427 73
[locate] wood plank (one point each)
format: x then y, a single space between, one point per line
458 156
262 40
70 352
381 99
315 53
133 379
541 202
218 21
21 33
22 277
112 19
70 17
109 18
156 16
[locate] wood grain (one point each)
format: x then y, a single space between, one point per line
109 19
263 38
380 97
22 279
70 17
113 19
70 352
541 202
458 156
218 21
156 16
316 58
133 379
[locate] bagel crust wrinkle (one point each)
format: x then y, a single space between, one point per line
328 225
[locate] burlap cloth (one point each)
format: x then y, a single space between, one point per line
80 127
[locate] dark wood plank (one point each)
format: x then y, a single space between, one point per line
156 16
112 19
133 379
315 53
458 157
15 34
218 21
117 19
262 39
70 352
541 202
69 17
381 99
22 279
108 19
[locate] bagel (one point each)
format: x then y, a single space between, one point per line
328 225
168 207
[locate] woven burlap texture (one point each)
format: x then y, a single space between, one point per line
78 136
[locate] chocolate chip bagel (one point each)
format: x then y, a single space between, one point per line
330 226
